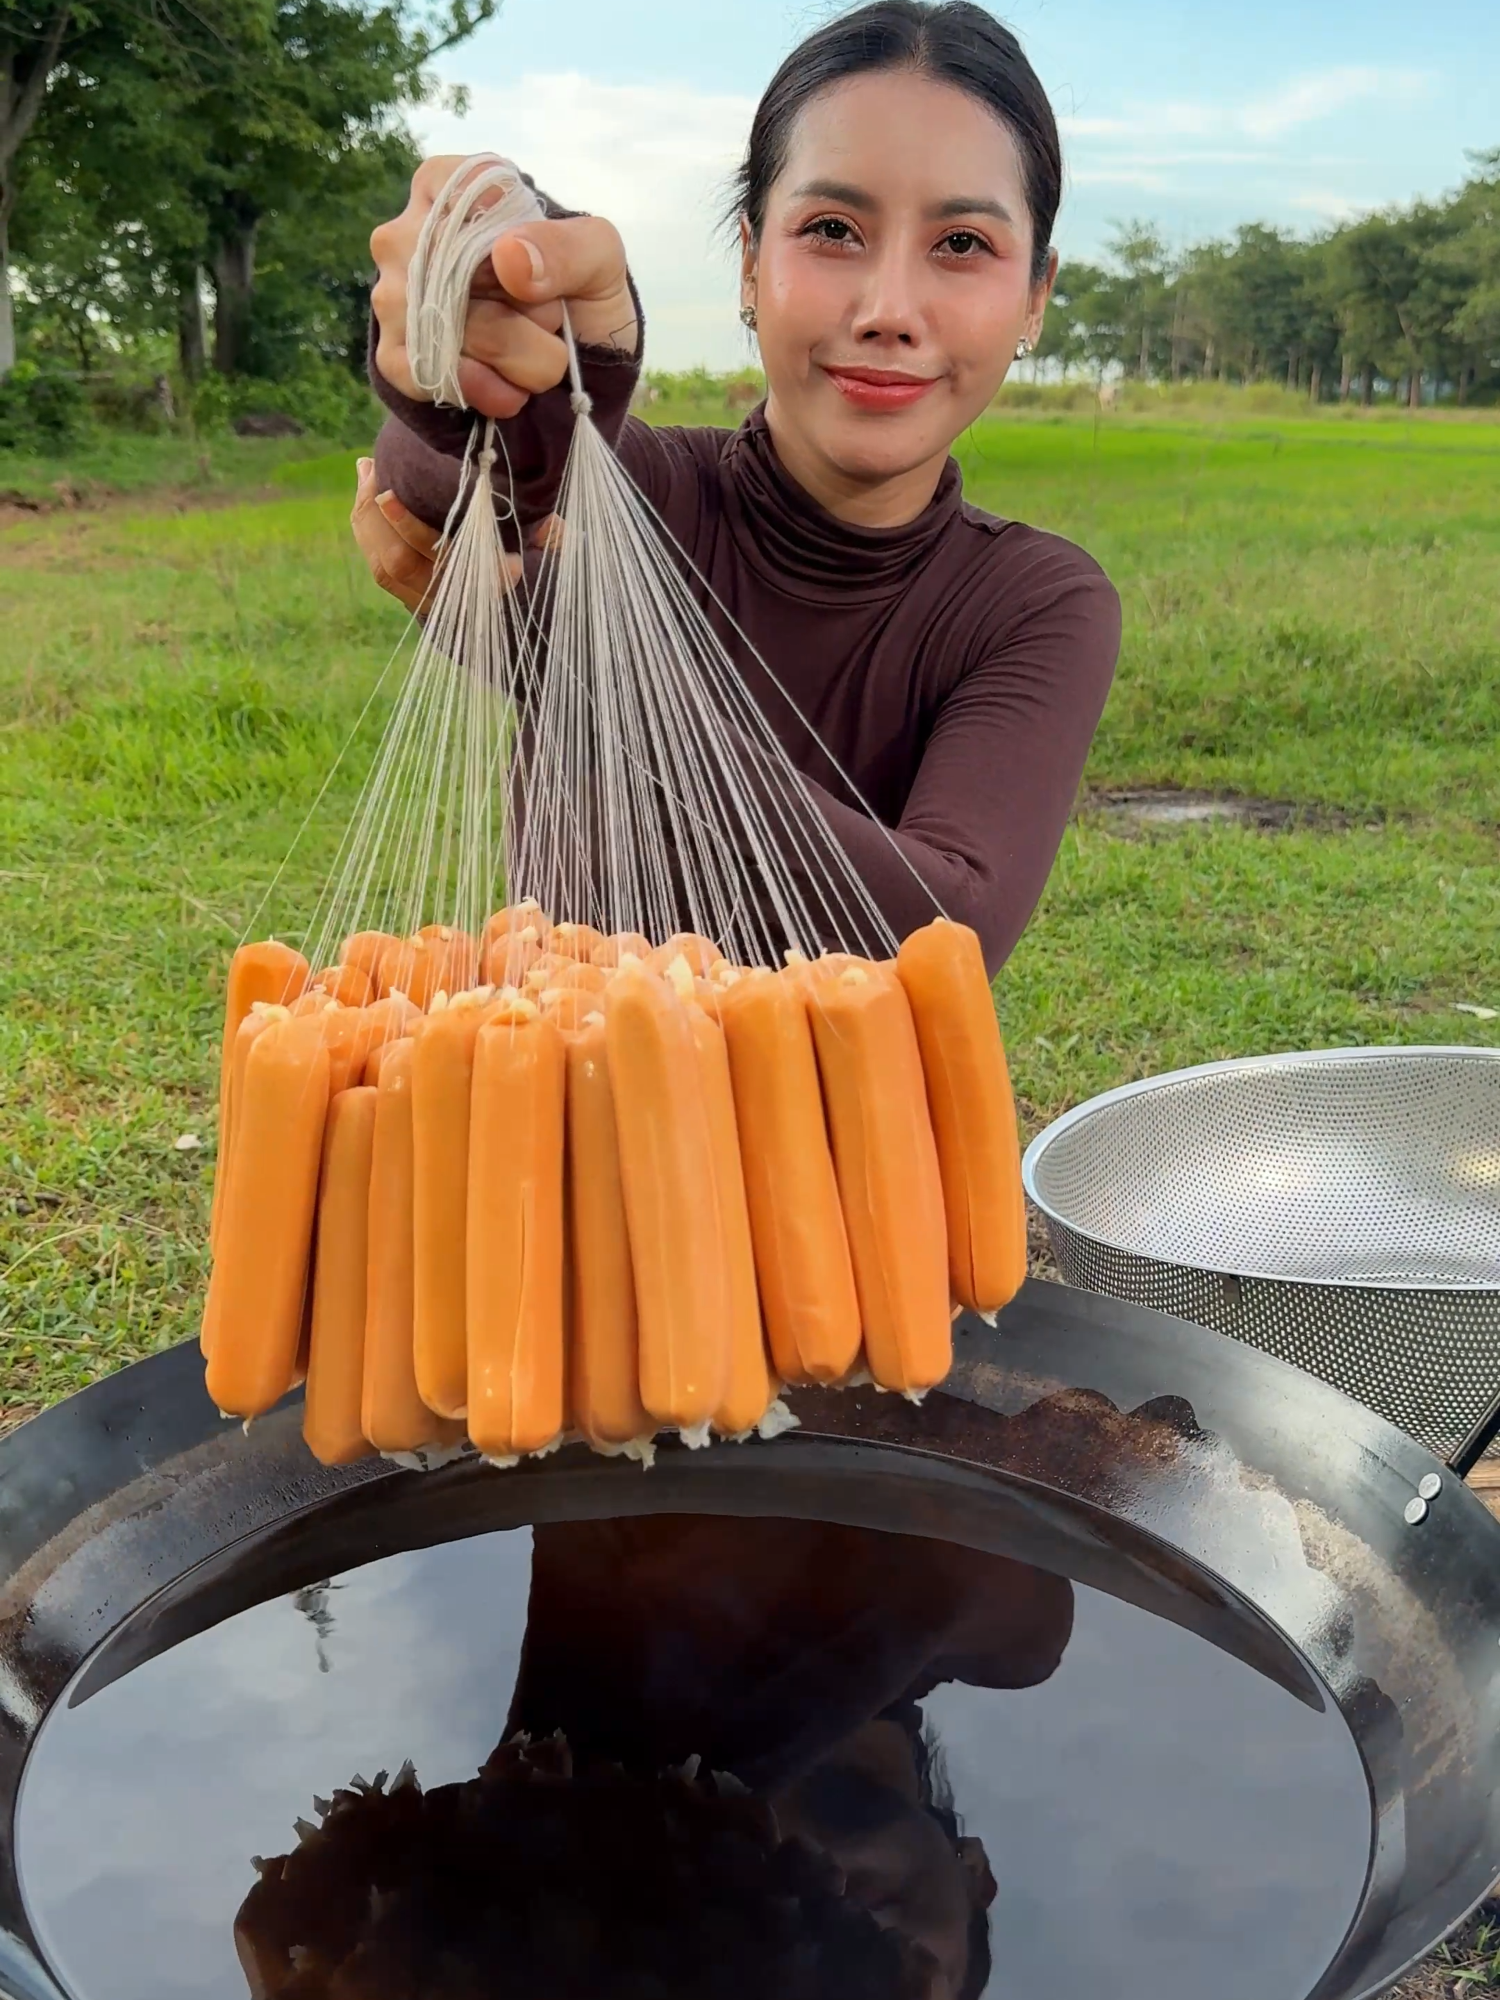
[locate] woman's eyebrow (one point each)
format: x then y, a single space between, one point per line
842 192
963 204
849 196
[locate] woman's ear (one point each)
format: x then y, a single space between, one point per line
747 263
1041 292
978 1878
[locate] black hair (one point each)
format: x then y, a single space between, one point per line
952 41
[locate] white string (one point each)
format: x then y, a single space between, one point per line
589 743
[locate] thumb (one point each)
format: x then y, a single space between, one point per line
579 257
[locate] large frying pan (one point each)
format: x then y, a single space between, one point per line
1162 1462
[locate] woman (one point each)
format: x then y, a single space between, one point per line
895 211
734 1795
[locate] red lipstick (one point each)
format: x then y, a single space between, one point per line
880 388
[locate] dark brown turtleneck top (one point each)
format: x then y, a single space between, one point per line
955 668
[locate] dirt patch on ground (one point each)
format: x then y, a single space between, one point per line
23 509
1163 806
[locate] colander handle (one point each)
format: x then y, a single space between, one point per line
1478 1442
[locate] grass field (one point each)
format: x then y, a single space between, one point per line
1312 618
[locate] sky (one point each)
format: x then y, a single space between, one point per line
1190 116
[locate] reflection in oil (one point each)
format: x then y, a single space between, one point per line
722 1758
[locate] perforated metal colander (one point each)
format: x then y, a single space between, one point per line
1340 1209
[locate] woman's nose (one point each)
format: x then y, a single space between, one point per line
889 308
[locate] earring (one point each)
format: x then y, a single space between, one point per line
747 317
1023 348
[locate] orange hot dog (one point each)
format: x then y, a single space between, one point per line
621 944
261 1016
508 957
890 1188
268 974
569 1008
260 1274
515 1222
677 1247
575 941
528 914
604 1375
442 1086
392 1414
701 953
569 975
747 1383
973 1112
336 1361
801 1244
350 985
364 950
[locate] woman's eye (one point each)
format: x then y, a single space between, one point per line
832 229
964 242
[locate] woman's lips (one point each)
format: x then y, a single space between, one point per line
879 388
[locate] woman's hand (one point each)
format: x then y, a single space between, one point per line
512 346
402 552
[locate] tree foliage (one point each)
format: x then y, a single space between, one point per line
1409 297
175 153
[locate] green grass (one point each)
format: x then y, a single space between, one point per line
1311 616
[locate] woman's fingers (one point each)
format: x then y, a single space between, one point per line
401 551
398 565
579 259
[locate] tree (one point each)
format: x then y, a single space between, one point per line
31 42
228 116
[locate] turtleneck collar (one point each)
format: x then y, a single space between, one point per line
801 549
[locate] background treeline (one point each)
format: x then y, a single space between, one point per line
1404 303
187 190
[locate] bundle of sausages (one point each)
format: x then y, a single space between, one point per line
543 1182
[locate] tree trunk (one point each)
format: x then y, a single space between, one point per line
1414 399
1367 386
1315 383
23 85
1208 358
1292 359
1465 376
1145 347
1346 378
234 284
7 305
192 332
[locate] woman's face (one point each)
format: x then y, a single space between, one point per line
892 279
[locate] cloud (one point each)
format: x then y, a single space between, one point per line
654 158
1327 206
1301 100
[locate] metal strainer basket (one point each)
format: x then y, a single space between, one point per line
1340 1209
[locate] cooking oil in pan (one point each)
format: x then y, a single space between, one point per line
683 1755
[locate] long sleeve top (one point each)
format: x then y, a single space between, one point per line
954 669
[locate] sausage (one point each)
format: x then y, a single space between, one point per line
515 1229
747 1384
701 953
621 944
973 1112
801 1244
336 1358
268 974
442 1078
392 1414
576 941
364 951
884 1151
260 1274
677 1249
350 985
604 1334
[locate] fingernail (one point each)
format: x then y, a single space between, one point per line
364 471
390 506
535 255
